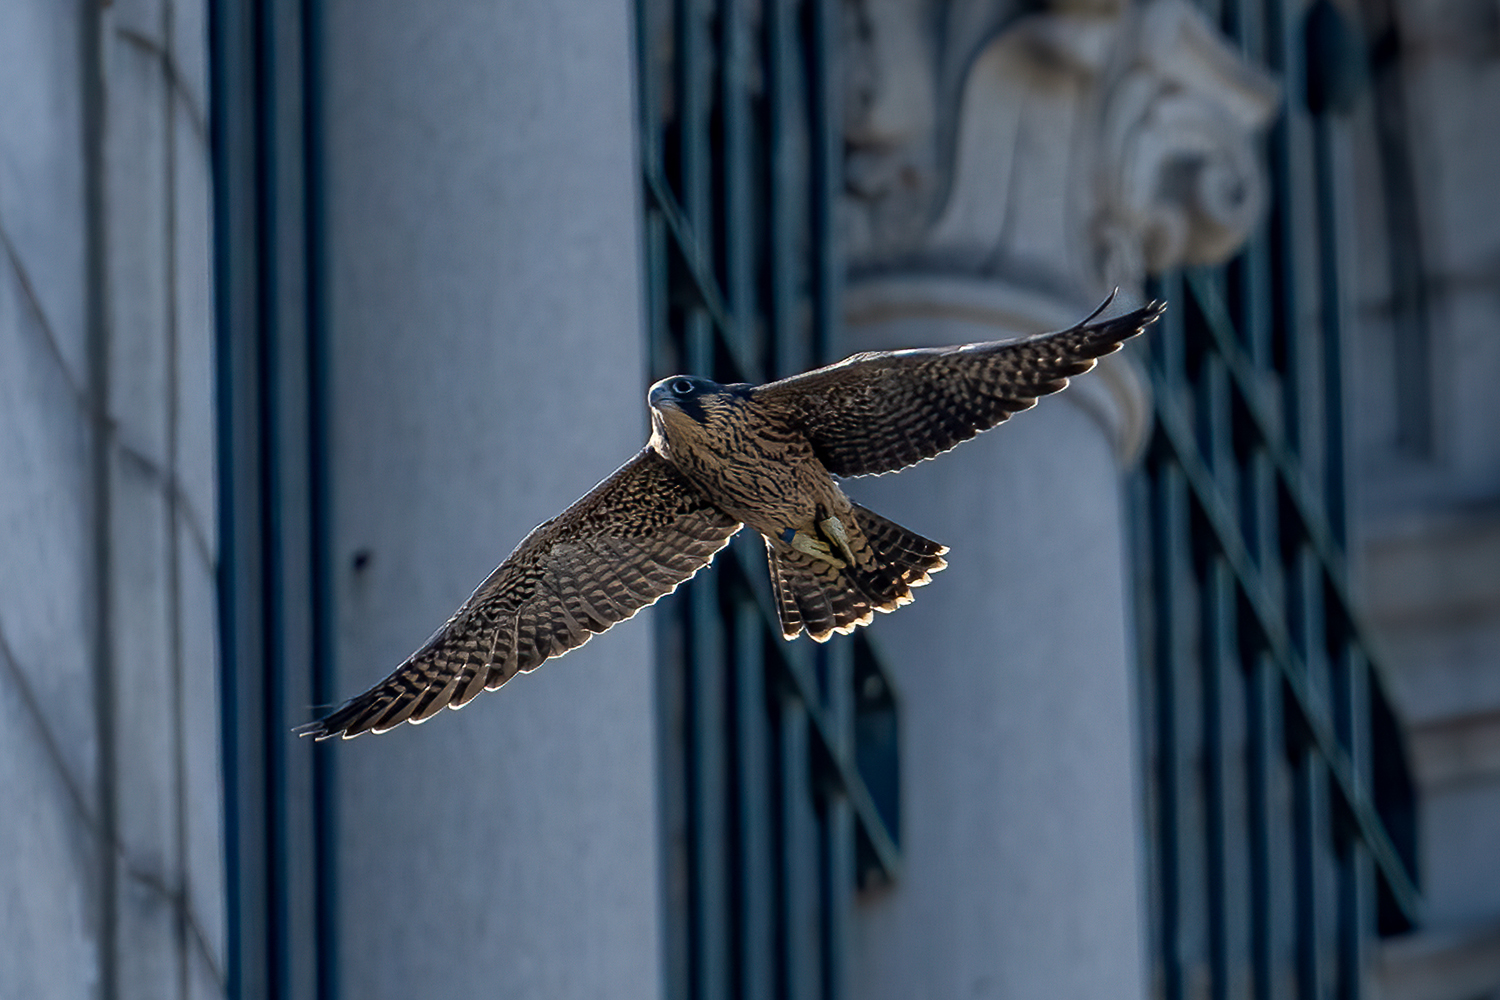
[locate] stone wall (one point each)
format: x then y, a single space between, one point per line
109 759
487 368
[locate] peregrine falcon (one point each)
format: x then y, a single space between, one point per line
721 457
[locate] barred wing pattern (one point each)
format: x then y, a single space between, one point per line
630 541
880 412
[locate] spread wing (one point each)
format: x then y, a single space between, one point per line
880 412
631 540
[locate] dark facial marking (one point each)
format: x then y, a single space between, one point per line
692 407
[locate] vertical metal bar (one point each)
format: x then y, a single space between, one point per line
827 170
1219 664
735 164
235 302
838 893
693 98
1263 685
1309 781
801 934
1355 873
785 179
694 94
1330 329
757 897
1356 918
324 647
1170 344
710 824
838 862
1256 301
672 714
661 349
1170 520
1356 921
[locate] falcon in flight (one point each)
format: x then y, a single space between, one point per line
721 457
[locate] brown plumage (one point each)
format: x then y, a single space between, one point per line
722 456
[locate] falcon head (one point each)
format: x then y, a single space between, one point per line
697 399
687 411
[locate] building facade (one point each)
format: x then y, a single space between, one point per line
310 309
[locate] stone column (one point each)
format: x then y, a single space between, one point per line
1020 812
488 366
1082 147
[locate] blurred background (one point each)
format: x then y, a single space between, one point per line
310 309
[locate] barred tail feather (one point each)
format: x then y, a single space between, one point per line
822 598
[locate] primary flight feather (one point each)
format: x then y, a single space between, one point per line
721 457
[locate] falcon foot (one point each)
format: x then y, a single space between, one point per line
833 529
808 545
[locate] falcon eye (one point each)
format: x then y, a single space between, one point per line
683 387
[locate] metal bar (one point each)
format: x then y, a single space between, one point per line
693 96
695 181
801 933
756 939
325 877
827 168
1219 663
1307 801
786 178
839 879
738 187
1356 904
1330 332
1356 919
672 714
237 303
708 768
1262 690
839 875
1170 519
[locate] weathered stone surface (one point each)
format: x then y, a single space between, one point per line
488 370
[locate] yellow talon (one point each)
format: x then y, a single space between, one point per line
808 545
834 528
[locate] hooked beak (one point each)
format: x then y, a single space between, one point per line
661 396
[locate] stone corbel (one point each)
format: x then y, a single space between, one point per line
1181 181
1084 146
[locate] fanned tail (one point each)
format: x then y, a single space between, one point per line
822 598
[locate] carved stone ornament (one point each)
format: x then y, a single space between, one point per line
1182 177
1070 150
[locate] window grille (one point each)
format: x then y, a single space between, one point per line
779 758
1279 797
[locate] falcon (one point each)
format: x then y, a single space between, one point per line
721 457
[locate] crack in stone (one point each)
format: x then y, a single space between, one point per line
171 485
178 897
165 480
176 80
49 333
